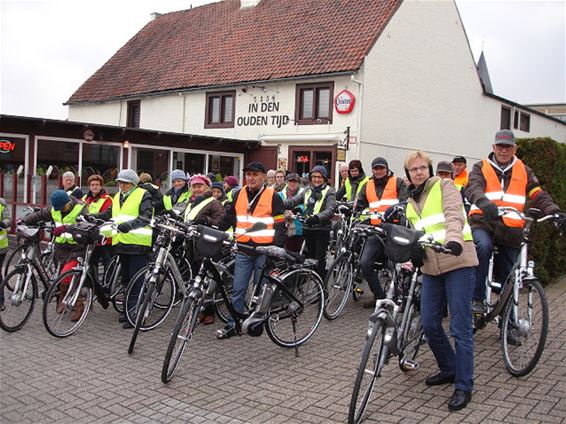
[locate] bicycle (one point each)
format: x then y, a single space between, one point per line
74 287
47 253
523 331
112 283
160 280
293 290
394 328
344 276
20 286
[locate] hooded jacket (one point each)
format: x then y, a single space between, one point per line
475 193
452 207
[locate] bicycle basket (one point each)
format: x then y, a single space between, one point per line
401 244
209 243
84 232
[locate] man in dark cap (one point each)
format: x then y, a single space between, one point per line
460 171
381 192
501 179
254 202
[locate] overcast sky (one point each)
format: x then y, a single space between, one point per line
50 47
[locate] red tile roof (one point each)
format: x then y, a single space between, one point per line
221 44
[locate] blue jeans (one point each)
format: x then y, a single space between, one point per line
504 262
131 264
243 268
456 288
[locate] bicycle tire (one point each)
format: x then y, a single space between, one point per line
282 320
226 272
112 284
148 290
165 298
49 262
60 324
521 353
186 322
414 335
338 284
374 352
12 259
18 308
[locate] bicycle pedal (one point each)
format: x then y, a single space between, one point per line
409 364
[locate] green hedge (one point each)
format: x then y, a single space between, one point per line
547 158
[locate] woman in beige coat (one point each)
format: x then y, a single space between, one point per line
435 207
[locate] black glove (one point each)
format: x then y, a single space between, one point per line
489 210
3 225
312 221
455 247
297 211
124 227
89 218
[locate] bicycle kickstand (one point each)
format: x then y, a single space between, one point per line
294 322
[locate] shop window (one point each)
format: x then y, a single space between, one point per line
62 156
313 104
153 161
303 160
220 109
192 163
525 122
223 166
102 160
134 114
12 157
505 118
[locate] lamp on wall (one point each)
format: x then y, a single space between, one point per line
126 144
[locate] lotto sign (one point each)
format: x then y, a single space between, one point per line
344 102
7 146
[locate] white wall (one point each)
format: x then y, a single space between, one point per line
422 91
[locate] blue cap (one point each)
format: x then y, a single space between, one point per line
59 198
177 174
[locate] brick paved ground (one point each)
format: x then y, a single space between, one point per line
89 377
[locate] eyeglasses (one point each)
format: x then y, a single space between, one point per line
354 170
417 169
504 146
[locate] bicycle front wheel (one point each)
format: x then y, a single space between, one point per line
19 300
523 333
65 307
13 258
185 325
338 283
371 364
161 298
291 322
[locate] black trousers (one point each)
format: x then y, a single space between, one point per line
317 245
373 252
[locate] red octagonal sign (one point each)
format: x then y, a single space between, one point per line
344 102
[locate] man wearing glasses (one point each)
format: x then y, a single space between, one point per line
501 179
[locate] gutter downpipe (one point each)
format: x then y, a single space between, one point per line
360 103
182 95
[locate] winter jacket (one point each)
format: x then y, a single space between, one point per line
452 207
341 193
64 252
326 211
6 220
230 220
380 183
213 212
475 193
146 211
156 195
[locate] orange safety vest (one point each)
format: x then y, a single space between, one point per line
261 213
462 179
377 206
515 195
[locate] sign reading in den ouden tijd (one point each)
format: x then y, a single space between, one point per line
266 108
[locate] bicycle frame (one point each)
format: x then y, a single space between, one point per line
30 261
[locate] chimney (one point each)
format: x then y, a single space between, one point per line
248 4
